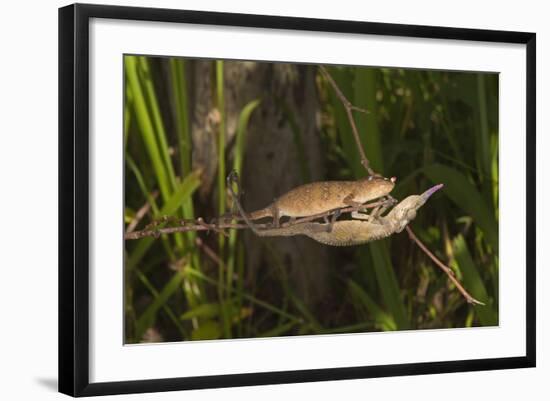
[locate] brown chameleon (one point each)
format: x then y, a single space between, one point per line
320 197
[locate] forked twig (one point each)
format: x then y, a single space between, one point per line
349 111
141 213
445 268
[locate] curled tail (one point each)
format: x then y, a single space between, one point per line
256 215
260 214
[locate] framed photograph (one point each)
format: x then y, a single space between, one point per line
251 199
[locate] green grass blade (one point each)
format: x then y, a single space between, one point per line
387 281
221 138
344 80
381 318
254 300
179 90
185 146
494 173
364 82
207 311
278 330
240 145
240 140
179 86
365 97
154 110
306 313
127 115
165 307
147 113
362 85
185 190
147 318
484 148
141 183
208 330
473 282
147 194
348 329
150 98
459 189
240 283
145 123
220 97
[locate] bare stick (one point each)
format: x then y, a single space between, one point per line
233 178
209 252
182 229
187 225
349 111
141 214
213 227
445 268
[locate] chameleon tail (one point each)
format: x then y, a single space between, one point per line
260 214
234 178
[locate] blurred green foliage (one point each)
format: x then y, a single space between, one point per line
425 127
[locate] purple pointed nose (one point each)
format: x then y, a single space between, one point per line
431 191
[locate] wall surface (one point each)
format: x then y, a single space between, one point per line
28 168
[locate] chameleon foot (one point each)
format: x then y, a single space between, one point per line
333 220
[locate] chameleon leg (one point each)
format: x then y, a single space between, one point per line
276 216
348 200
333 220
360 215
378 212
374 214
391 200
385 207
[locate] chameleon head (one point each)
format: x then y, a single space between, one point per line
379 186
405 211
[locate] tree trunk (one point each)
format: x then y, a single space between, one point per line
273 162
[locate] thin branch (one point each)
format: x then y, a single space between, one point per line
209 252
157 232
349 111
201 222
445 268
141 213
189 225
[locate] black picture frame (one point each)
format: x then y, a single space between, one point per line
74 198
